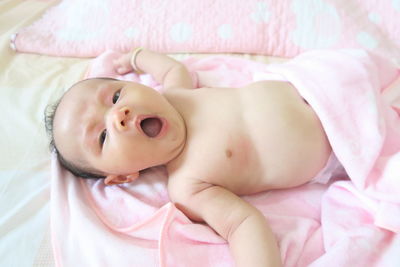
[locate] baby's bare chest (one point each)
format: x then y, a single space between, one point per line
233 138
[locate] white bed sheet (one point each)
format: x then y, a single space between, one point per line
27 84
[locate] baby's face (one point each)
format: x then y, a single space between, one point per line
116 127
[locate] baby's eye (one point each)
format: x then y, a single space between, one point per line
116 96
102 137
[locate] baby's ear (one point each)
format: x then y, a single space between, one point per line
120 179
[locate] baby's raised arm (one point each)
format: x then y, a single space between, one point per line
244 227
165 70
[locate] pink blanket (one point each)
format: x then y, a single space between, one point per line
347 222
271 27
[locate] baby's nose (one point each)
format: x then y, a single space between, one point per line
121 118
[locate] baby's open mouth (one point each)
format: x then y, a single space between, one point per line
151 126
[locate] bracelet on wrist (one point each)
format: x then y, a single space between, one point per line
135 52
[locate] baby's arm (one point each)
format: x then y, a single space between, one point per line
165 70
244 227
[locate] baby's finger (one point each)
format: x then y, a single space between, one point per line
122 70
117 62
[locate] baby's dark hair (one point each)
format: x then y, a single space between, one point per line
49 115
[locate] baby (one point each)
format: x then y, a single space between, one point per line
216 143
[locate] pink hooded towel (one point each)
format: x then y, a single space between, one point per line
346 222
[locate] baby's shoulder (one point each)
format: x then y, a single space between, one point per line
181 187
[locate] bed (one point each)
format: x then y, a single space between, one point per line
28 83
38 65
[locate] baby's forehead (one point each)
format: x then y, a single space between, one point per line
83 88
67 123
88 84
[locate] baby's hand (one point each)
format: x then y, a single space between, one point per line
122 64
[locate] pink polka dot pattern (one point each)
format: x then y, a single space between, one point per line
271 27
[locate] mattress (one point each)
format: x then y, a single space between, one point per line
28 83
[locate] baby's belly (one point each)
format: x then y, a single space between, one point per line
284 145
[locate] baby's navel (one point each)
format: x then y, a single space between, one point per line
228 153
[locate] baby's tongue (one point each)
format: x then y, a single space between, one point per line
151 126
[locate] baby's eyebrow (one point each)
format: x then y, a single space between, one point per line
101 90
94 79
90 139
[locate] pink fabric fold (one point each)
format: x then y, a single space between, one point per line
346 222
345 88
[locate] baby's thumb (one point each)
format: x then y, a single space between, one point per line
122 70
